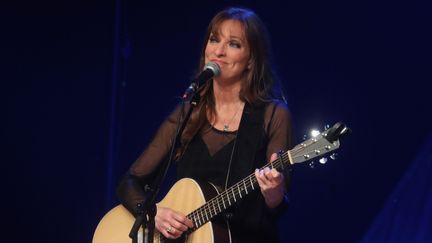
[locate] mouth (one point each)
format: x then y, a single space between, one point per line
219 62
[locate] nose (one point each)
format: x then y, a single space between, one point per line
220 50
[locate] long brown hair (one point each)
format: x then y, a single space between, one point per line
256 88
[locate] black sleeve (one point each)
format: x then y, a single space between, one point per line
130 189
278 126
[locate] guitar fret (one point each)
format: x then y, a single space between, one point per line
195 221
208 213
210 210
251 183
206 216
205 212
220 210
199 221
244 183
229 202
223 201
238 188
234 195
280 160
214 208
203 217
206 209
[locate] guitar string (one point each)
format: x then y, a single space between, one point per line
208 205
228 194
205 212
208 208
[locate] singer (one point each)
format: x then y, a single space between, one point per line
238 126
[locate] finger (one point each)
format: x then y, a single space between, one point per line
262 181
263 175
267 177
179 226
273 157
172 232
258 176
181 222
279 177
166 224
273 178
268 174
275 175
163 229
189 223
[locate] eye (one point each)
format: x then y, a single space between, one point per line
213 39
234 44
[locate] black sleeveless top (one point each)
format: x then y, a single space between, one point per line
223 158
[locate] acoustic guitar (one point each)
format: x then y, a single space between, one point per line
201 202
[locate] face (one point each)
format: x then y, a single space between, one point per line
228 48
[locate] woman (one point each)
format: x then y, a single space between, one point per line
237 127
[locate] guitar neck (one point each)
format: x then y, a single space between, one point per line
309 149
235 193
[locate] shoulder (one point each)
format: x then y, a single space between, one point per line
278 123
179 109
277 108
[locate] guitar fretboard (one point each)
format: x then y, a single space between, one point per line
227 198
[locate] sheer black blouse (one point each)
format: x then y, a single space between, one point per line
222 158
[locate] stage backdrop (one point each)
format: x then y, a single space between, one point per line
87 83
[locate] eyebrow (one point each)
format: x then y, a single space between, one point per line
231 36
236 37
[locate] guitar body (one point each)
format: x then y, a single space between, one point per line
185 196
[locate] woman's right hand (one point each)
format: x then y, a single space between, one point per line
171 223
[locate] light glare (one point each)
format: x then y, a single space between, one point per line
314 133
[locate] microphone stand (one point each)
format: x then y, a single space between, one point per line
147 209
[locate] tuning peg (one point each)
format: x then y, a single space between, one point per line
323 160
333 156
326 127
312 164
305 137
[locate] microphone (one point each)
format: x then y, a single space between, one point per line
210 70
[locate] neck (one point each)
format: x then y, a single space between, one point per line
226 94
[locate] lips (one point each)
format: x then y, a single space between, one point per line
219 62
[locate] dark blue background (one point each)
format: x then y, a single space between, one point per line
86 85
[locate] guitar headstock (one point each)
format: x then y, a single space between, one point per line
319 145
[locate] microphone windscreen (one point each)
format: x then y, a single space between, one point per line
214 67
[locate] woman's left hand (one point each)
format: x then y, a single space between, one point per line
272 184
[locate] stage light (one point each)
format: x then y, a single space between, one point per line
314 133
